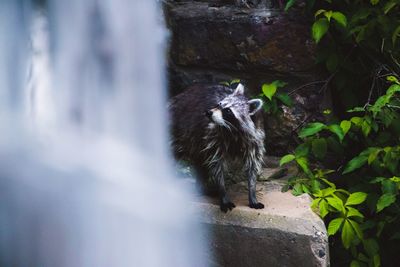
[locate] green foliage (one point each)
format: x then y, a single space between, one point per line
273 97
357 192
358 45
365 210
230 83
320 28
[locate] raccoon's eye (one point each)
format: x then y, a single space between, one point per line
228 111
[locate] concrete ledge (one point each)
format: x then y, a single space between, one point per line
285 233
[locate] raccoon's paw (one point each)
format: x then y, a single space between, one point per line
227 206
256 205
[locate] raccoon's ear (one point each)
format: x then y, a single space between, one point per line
254 106
239 90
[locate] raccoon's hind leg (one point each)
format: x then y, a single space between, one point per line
253 165
217 170
253 202
205 185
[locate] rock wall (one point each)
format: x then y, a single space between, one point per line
255 41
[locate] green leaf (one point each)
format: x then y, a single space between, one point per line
285 188
336 129
279 83
316 185
395 179
305 189
345 125
356 109
319 12
347 234
286 159
328 191
361 34
289 4
323 208
297 190
374 2
319 147
356 228
340 18
392 78
303 163
224 83
388 6
269 90
235 81
355 163
302 150
335 202
393 89
267 107
328 15
352 212
315 203
361 14
334 225
355 263
368 225
385 201
377 180
319 29
371 246
389 187
372 157
311 129
380 103
327 182
366 128
356 198
356 120
285 99
363 257
377 260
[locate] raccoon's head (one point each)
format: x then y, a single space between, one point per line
235 110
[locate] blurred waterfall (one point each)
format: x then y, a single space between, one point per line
85 176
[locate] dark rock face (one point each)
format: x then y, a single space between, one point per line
239 39
214 41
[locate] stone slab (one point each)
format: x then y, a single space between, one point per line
285 233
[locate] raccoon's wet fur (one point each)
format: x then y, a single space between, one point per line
212 129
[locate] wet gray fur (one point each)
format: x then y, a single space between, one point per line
212 148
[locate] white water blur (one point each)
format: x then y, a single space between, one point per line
85 176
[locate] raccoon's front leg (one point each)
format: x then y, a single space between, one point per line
218 170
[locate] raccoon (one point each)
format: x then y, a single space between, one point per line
212 128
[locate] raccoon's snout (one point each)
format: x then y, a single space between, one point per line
208 113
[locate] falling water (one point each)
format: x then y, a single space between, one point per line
85 176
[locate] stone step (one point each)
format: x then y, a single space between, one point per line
285 233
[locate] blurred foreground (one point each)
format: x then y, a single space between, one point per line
85 177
